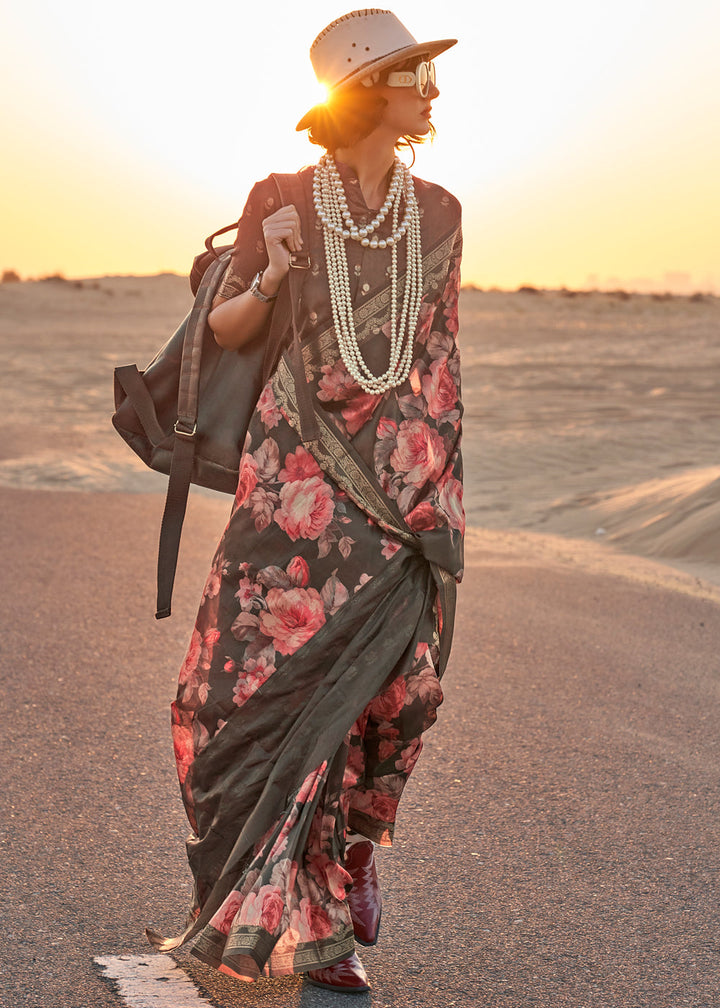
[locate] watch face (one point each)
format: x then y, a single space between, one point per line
256 292
255 288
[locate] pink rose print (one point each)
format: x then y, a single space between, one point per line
306 508
267 457
184 750
386 749
211 637
440 391
271 908
357 414
424 683
423 517
212 585
299 465
420 453
255 672
191 658
336 384
355 766
451 501
263 909
226 913
247 479
248 593
298 571
314 923
292 617
424 322
389 703
199 655
390 547
409 756
329 873
383 807
267 407
387 433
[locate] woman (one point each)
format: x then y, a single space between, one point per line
326 620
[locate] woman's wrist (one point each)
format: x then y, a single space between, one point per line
270 282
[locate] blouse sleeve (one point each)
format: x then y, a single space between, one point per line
250 254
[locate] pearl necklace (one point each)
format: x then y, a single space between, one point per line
338 226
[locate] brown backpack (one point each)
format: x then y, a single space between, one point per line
175 413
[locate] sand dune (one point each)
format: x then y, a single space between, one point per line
677 516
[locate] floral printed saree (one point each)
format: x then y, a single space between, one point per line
325 624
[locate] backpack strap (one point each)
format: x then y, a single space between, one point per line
292 190
184 444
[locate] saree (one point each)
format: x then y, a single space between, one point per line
325 623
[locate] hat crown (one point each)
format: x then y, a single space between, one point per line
355 40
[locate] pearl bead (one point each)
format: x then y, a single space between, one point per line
365 242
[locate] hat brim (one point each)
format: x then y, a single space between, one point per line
429 49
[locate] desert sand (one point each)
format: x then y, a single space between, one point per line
568 798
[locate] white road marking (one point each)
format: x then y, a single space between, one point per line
150 981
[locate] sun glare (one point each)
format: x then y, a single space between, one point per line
321 92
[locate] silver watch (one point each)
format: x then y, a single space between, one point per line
256 292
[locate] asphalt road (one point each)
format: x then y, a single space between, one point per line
558 843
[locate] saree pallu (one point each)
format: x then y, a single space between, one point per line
325 624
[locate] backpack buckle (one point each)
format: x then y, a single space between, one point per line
182 429
300 260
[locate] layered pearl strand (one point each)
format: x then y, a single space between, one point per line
339 227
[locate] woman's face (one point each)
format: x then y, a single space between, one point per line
407 112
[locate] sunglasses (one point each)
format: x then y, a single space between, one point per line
423 78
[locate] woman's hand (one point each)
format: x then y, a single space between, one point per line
238 319
282 234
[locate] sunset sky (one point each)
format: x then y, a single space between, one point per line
582 139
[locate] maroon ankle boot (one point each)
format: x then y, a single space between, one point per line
346 977
364 899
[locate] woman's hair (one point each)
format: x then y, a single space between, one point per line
352 114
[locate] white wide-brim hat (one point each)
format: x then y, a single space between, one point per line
362 43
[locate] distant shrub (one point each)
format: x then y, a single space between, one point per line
527 289
620 295
59 278
10 276
697 296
